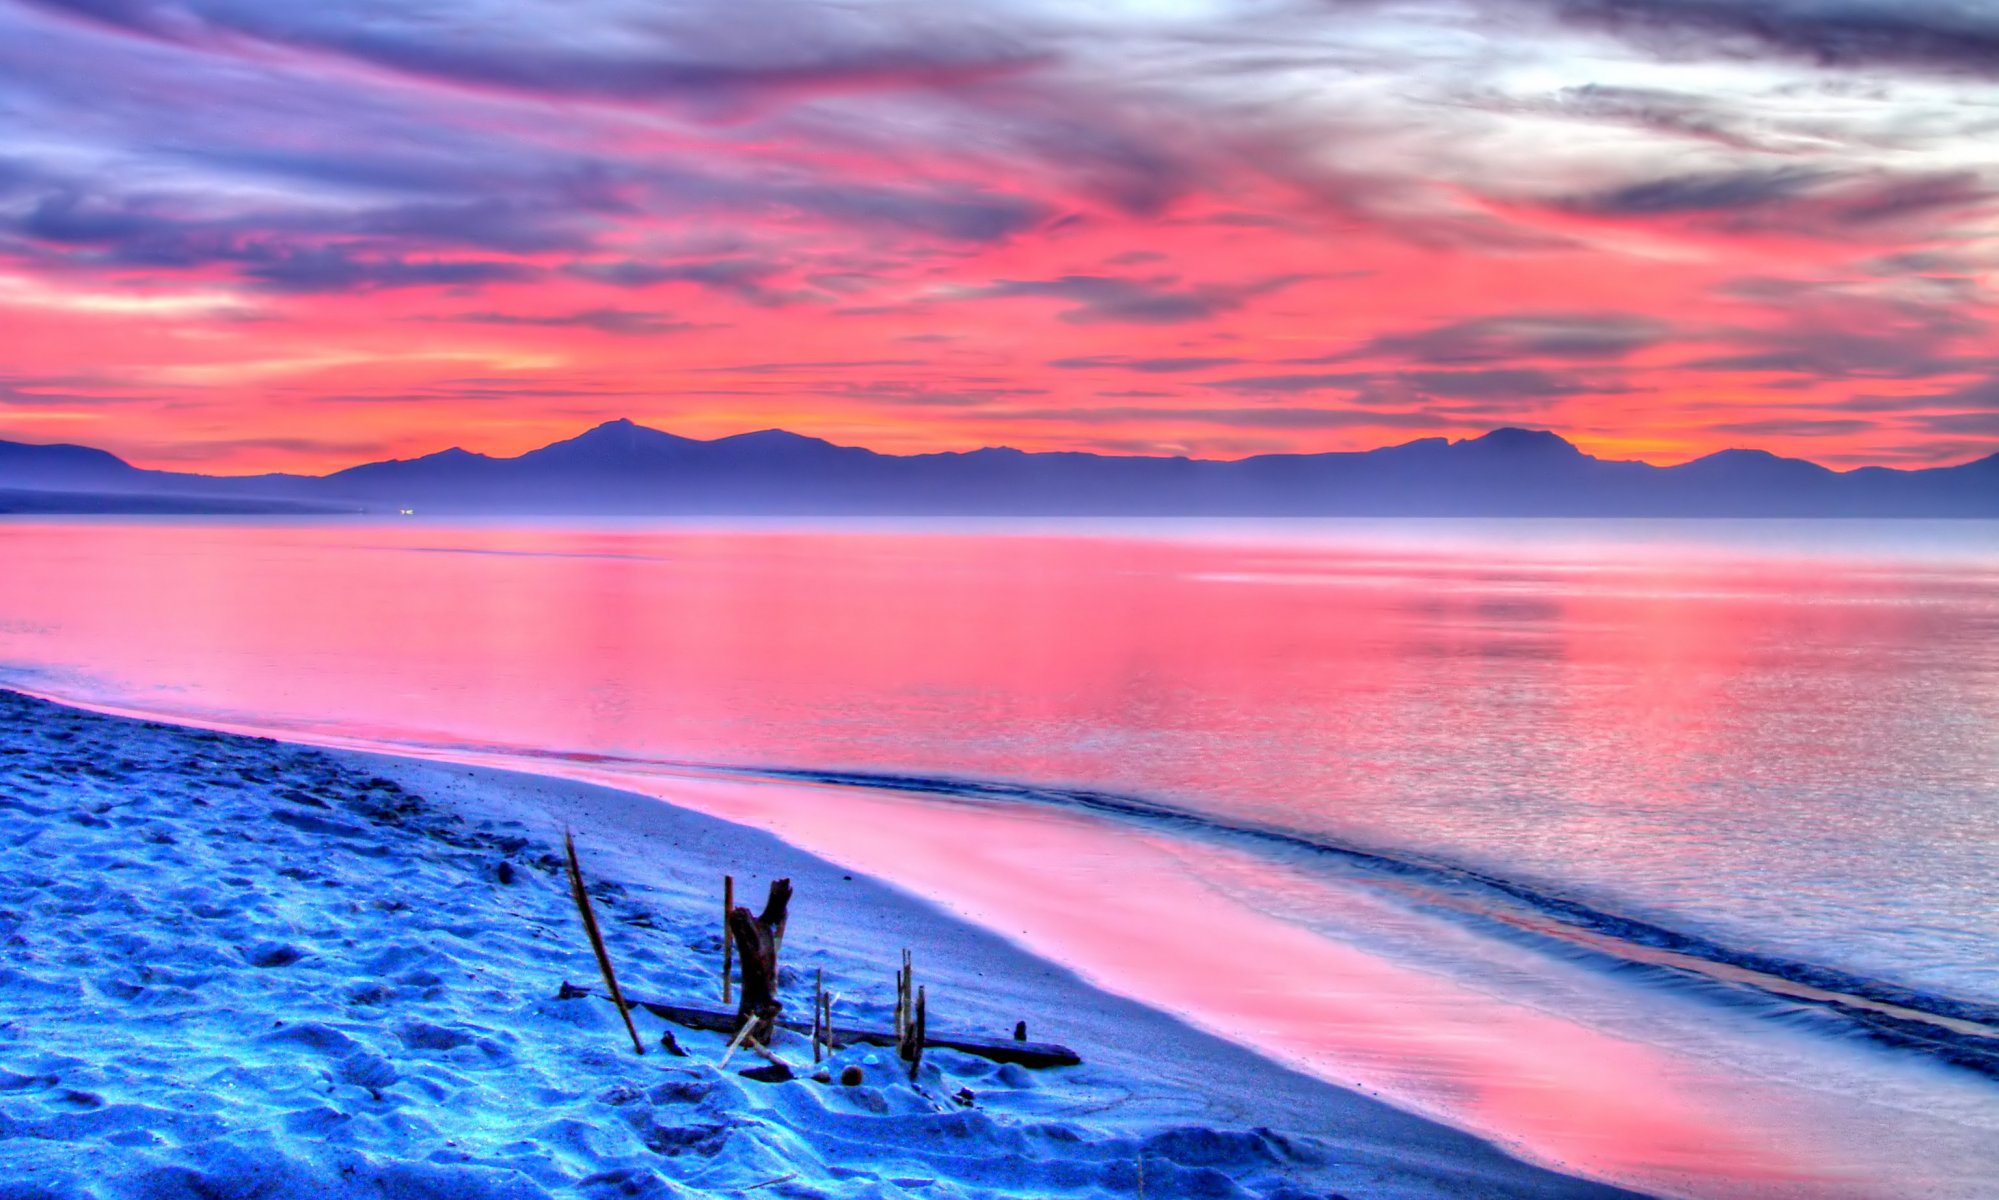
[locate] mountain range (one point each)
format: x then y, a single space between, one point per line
623 468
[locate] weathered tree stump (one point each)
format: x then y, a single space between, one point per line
757 937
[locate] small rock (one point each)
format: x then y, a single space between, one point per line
272 954
852 1076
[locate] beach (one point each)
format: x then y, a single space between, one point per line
238 967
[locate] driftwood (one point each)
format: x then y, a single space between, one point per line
819 1021
728 943
1006 1050
905 1017
581 895
918 1036
756 937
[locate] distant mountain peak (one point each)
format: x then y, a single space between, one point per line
623 427
1756 460
1515 440
770 437
621 438
65 453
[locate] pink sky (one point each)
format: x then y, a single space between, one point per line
237 236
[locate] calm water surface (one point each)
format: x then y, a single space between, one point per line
1661 851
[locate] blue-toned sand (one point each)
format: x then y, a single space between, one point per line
236 968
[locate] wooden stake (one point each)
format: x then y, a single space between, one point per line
818 1012
728 943
582 898
921 1030
904 978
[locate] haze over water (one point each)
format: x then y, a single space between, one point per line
1425 807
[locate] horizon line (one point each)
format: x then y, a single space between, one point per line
1444 438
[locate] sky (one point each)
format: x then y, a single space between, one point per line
239 235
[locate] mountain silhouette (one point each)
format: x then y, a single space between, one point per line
623 467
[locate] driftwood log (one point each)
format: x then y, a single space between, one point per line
756 937
1006 1050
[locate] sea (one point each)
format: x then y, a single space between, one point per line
1663 852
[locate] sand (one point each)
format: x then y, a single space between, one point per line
239 968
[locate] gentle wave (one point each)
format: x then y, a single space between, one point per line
1951 1029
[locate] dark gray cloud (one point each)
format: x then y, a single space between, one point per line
1148 366
744 277
276 252
1974 424
506 225
1502 383
1797 200
1816 354
1323 381
1573 336
942 392
959 214
330 269
948 211
1103 299
1967 409
840 364
1921 35
622 321
714 59
1716 191
59 219
70 390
